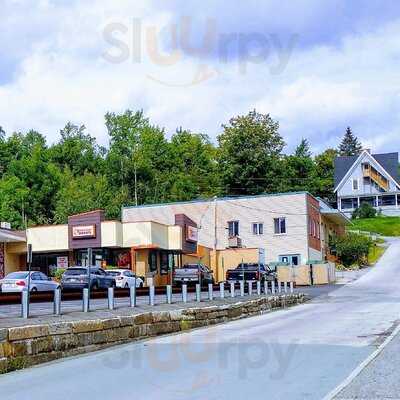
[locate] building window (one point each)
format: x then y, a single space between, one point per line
233 228
258 228
355 184
280 226
153 261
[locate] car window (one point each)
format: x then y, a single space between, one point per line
128 274
43 276
101 272
36 277
114 273
76 271
17 275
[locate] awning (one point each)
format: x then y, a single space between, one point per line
336 217
7 236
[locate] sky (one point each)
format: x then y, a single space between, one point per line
315 66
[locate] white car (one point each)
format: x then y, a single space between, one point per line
125 278
18 281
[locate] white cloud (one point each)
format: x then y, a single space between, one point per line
62 76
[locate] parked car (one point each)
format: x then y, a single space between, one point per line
125 278
17 281
193 273
77 278
251 272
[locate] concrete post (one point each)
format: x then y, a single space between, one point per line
222 290
132 295
279 287
291 287
184 293
85 300
151 295
258 288
169 294
57 302
210 291
198 292
111 298
241 289
285 287
266 288
250 286
25 304
232 289
273 287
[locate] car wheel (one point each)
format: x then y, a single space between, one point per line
34 289
95 286
126 285
141 284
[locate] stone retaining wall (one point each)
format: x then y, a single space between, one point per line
25 346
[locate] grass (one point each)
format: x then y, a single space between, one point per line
375 253
386 226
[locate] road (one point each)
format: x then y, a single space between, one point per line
299 353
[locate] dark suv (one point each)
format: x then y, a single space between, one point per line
77 278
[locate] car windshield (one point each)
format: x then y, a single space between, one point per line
191 266
76 271
113 273
249 266
17 275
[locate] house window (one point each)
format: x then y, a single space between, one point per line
233 228
258 228
280 226
355 184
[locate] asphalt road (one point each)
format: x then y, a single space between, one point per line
299 353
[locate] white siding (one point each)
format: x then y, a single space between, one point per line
246 210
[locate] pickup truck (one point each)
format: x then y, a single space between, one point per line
192 273
251 272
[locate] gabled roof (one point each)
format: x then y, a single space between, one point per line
389 162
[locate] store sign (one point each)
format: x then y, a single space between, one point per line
84 231
62 262
192 233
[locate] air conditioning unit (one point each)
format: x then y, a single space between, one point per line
234 241
5 225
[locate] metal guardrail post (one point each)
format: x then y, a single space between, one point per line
132 295
198 292
266 288
241 283
111 298
232 289
184 293
169 294
222 290
85 300
151 295
210 291
291 287
273 287
258 288
285 287
57 301
25 303
279 287
250 286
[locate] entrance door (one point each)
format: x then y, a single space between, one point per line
291 259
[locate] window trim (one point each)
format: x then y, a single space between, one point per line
235 232
356 180
256 228
280 219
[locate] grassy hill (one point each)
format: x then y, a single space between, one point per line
386 226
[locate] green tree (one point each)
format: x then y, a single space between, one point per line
324 172
250 154
350 145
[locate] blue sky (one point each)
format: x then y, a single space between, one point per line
316 66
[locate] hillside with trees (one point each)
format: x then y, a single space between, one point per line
43 183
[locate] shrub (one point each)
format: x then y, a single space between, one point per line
351 248
58 273
364 211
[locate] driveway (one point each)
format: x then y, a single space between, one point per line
299 353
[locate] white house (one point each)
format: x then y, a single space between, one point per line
368 178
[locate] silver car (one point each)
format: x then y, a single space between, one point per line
18 281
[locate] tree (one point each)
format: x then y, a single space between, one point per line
324 172
303 149
350 145
250 153
351 248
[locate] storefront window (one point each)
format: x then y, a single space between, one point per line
153 261
164 263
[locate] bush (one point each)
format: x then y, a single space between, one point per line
351 249
364 211
58 273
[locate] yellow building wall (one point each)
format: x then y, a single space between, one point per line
111 234
12 258
174 237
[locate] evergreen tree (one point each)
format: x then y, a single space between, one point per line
350 145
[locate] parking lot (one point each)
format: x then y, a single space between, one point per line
46 308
